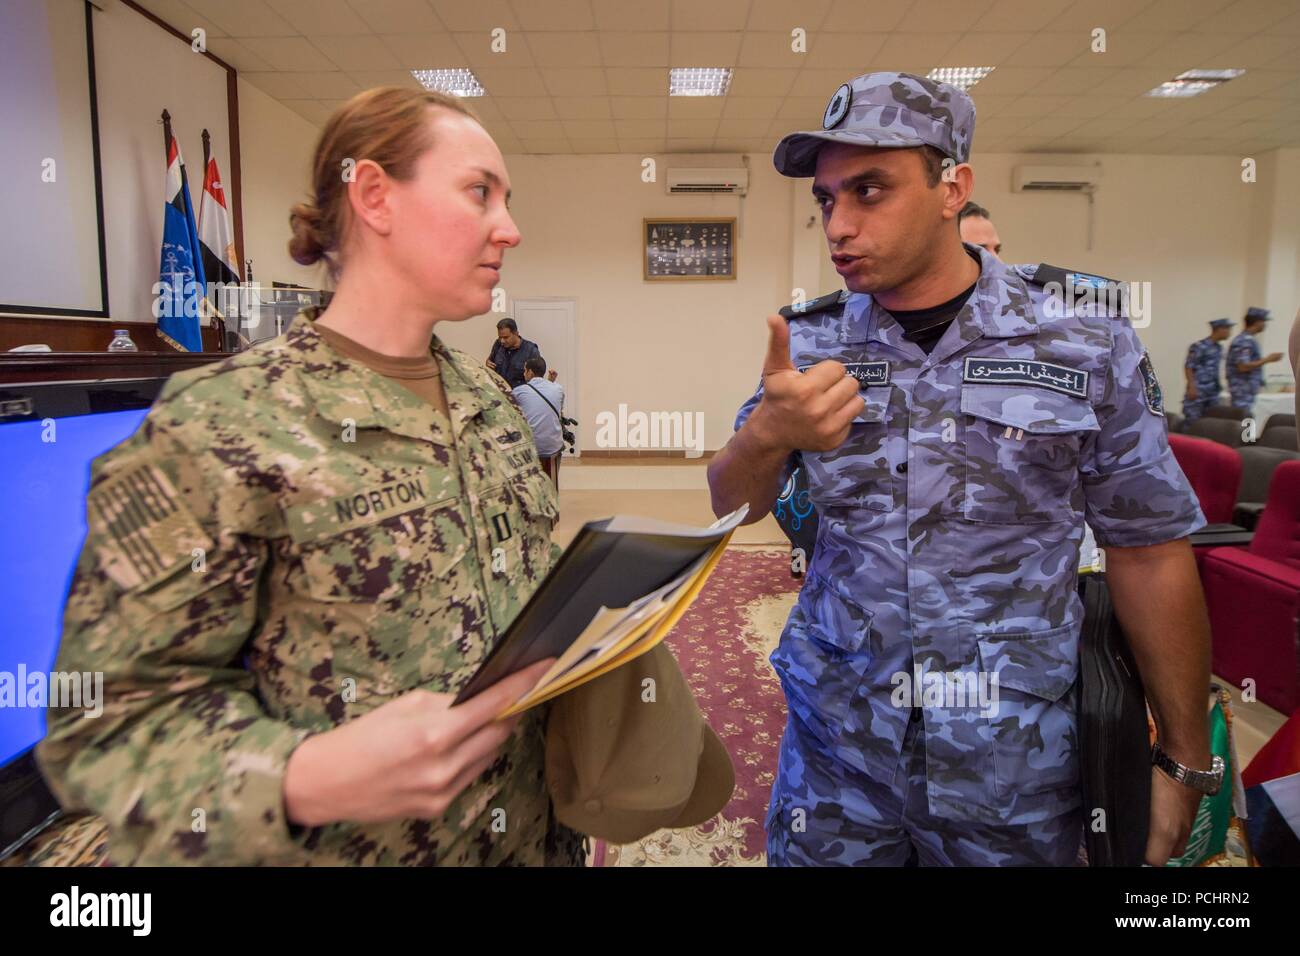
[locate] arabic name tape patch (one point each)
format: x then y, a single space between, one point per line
994 371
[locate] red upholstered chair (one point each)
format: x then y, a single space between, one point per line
1214 472
1254 599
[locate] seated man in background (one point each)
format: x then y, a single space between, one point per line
542 401
510 352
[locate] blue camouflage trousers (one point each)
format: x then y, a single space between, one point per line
823 813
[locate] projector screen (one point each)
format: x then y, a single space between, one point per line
52 247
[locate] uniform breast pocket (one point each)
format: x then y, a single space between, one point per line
858 474
1022 448
387 557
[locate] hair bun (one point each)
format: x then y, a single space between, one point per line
307 247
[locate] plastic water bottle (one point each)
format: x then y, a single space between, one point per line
122 342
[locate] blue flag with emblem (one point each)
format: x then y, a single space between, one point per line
179 294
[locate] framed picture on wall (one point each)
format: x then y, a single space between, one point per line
674 249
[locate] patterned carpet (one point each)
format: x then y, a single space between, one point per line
722 645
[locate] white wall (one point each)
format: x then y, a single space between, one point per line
276 145
656 346
133 163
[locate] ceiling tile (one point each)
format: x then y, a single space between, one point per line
1006 16
554 14
1052 126
933 16
819 83
328 85
641 146
481 15
361 52
807 110
643 48
639 107
915 52
884 15
525 107
244 18
1073 79
759 50
565 49
1188 51
640 129
583 107
1032 105
1246 16
1109 14
544 146
320 17
851 52
1012 79
238 55
761 82
689 145
419 51
478 48
368 78
630 15
760 146
183 18
501 82
580 81
1170 16
1122 48
287 53
637 81
537 129
743 128
984 49
595 145
695 107
784 16
704 49
989 105
714 15
1254 83
756 107
1050 49
397 16
692 128
283 86
588 129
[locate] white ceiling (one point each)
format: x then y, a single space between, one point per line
590 76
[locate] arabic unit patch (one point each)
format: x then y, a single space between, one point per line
995 371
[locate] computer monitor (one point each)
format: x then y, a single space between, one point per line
49 435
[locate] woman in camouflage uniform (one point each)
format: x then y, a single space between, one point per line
308 548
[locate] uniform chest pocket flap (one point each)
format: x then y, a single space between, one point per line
380 554
858 473
1022 452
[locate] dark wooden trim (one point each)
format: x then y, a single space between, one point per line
28 367
86 335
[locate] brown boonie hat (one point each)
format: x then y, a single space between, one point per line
620 767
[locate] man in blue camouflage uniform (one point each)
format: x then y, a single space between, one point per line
1246 361
1201 370
930 662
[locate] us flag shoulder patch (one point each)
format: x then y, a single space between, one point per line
140 529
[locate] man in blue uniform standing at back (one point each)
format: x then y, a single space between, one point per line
1246 361
958 419
1201 371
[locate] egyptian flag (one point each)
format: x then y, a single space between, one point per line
180 271
1273 797
215 235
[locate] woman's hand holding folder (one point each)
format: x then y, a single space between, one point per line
409 758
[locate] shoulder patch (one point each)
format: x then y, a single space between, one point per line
819 304
140 528
1151 386
1044 274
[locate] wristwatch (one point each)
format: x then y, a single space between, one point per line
1203 781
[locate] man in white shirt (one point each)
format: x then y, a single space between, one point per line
544 419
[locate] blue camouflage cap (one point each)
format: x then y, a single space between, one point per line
1220 323
1255 313
885 110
